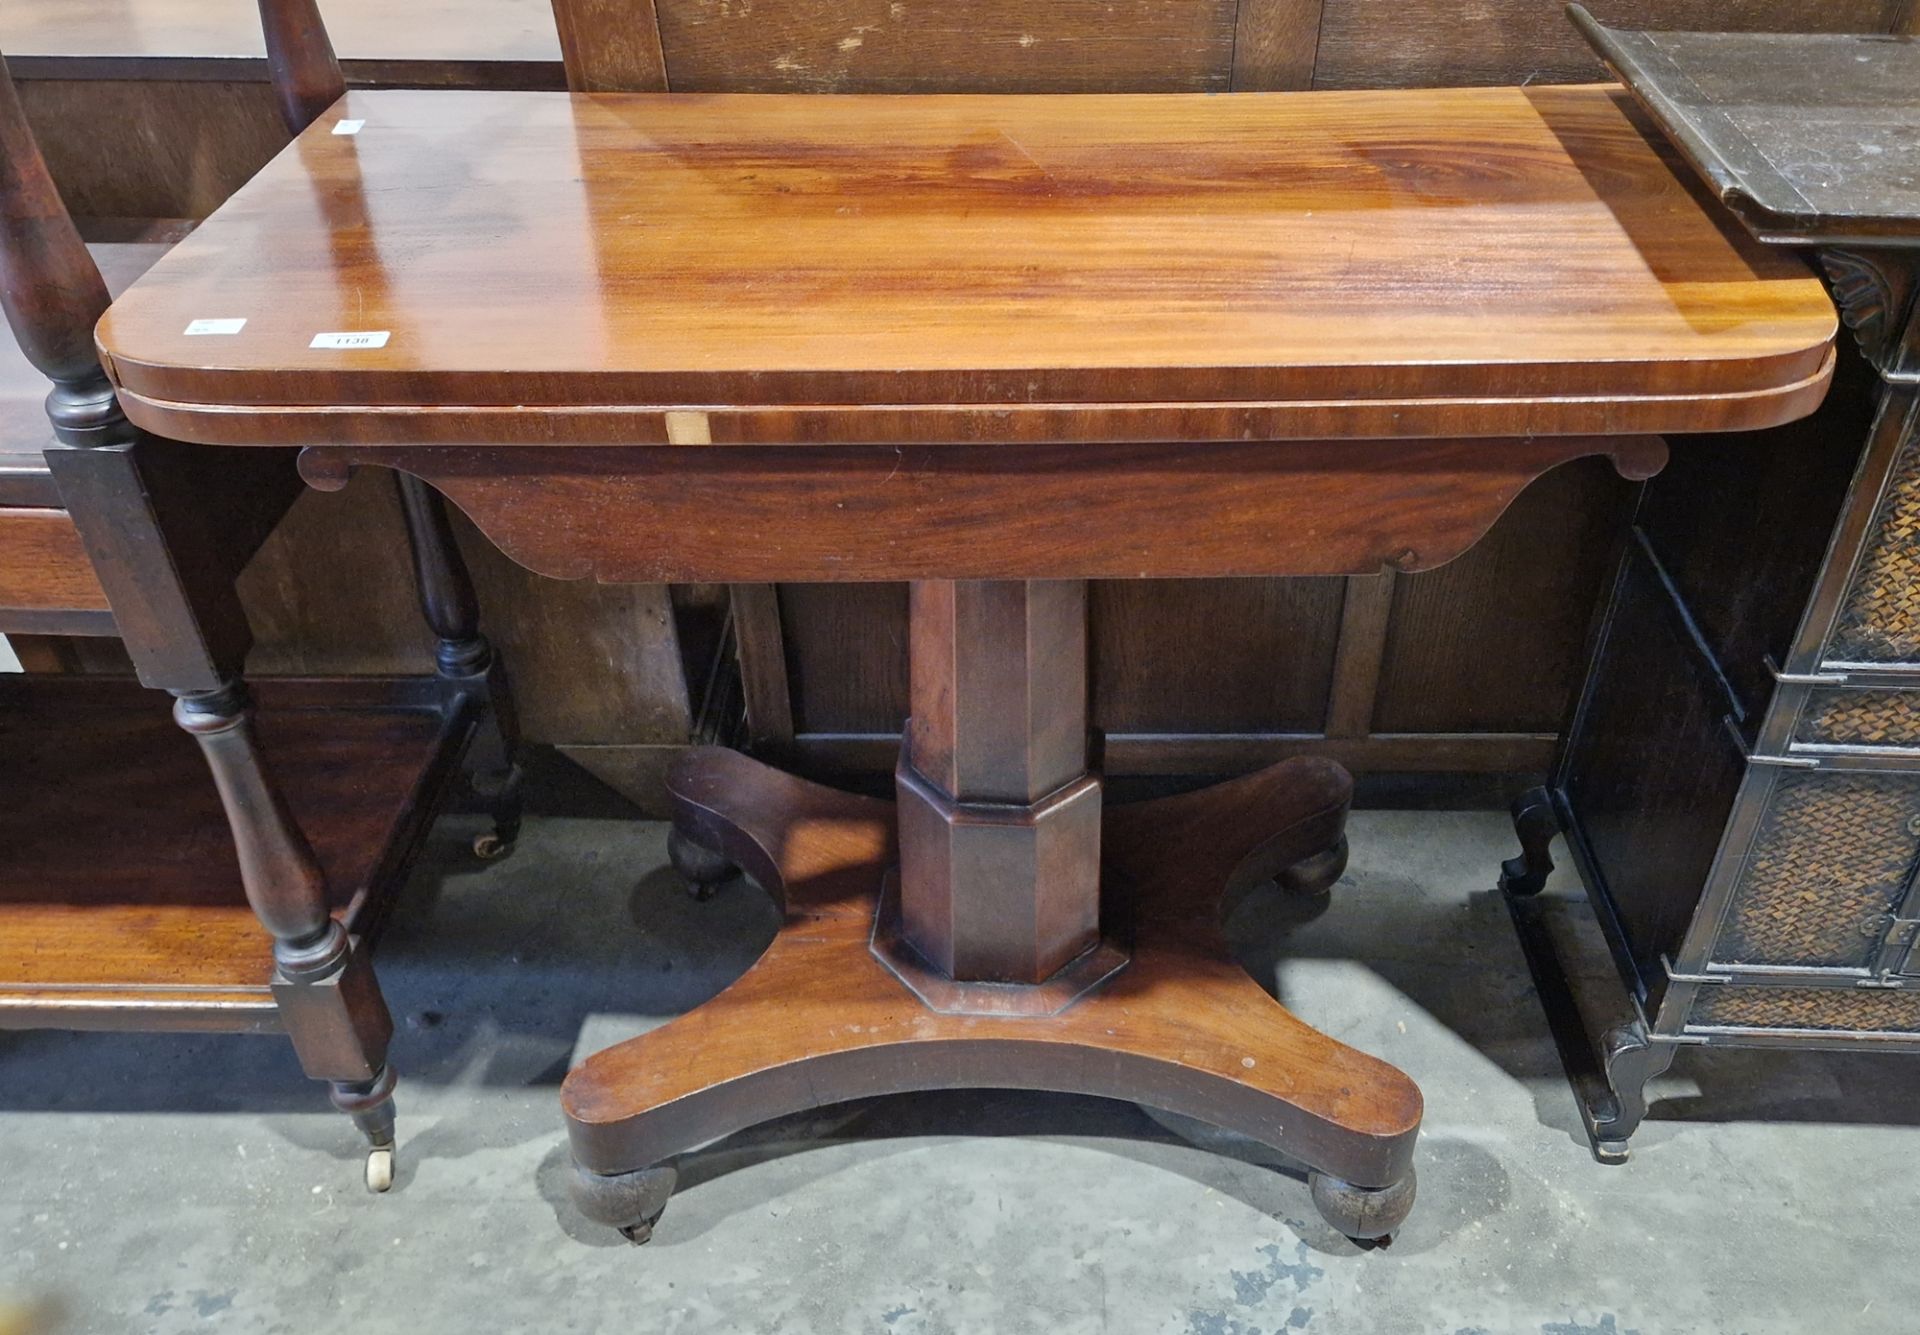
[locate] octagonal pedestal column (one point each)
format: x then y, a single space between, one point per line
999 817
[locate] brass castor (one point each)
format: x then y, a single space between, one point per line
1313 878
1367 1215
702 868
498 793
631 1202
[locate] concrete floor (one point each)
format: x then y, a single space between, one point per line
186 1183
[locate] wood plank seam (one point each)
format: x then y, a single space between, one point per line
1359 653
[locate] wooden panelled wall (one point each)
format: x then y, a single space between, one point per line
1462 669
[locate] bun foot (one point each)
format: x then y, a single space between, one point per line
1313 877
702 868
631 1202
1367 1215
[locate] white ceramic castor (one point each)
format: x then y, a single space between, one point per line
380 1168
490 846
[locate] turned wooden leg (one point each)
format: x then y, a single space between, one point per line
465 658
329 1001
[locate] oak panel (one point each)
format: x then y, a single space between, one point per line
1494 640
1275 44
611 46
925 46
846 656
198 142
1213 656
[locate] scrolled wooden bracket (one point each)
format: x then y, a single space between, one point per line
325 469
1638 458
1876 293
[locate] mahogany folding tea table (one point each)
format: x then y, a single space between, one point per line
996 346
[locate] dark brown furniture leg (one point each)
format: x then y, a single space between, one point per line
170 581
1000 962
329 1002
466 661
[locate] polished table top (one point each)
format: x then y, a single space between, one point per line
530 267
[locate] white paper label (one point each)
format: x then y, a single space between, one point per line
348 127
199 327
370 338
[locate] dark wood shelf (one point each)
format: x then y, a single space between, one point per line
120 892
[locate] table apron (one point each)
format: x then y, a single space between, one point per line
646 514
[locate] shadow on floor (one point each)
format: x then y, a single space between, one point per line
492 970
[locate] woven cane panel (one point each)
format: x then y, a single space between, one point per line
1808 1008
1880 620
1833 852
1860 718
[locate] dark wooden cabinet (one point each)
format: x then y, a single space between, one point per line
1740 782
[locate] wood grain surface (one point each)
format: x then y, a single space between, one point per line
44 566
676 513
527 250
611 46
925 46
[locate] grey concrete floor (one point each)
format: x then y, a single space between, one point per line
189 1183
